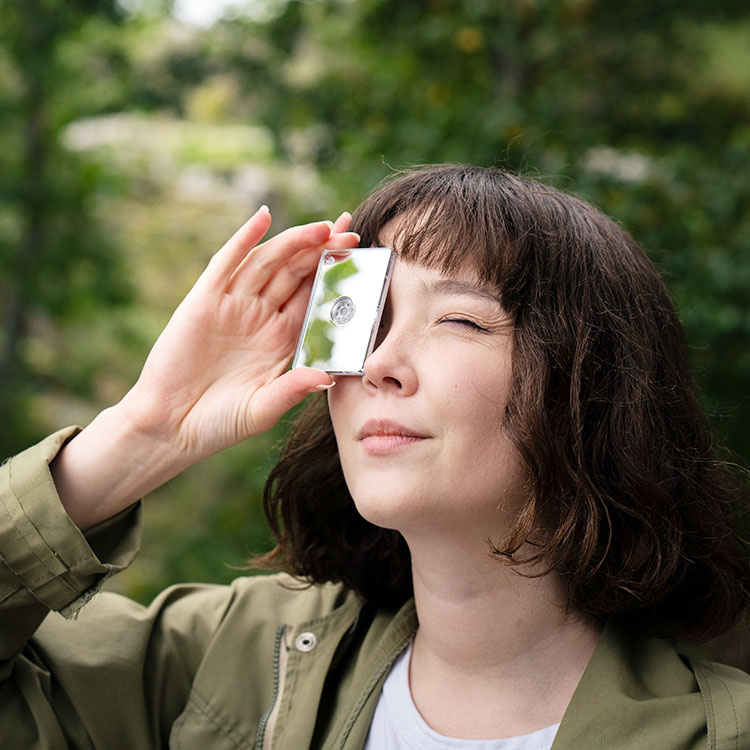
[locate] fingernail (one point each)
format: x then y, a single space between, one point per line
263 208
344 213
330 224
359 239
324 387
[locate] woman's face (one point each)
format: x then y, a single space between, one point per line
420 434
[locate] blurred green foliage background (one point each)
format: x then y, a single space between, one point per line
132 144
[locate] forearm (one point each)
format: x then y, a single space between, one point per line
45 561
110 665
109 466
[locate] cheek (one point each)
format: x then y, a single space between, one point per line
338 398
342 402
474 408
452 382
477 395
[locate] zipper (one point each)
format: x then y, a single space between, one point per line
264 735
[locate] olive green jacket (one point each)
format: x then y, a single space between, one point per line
264 662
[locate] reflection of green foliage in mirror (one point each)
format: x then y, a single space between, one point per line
334 276
318 345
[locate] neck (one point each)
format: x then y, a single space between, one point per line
502 640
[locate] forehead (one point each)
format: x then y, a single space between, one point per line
434 282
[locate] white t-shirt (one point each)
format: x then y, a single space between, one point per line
397 725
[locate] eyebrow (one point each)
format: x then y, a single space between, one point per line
453 287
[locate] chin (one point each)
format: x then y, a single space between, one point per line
410 514
388 510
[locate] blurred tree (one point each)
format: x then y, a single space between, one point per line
54 263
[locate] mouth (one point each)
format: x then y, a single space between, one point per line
381 436
386 428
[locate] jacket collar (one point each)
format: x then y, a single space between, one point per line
636 692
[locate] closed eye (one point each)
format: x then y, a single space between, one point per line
465 322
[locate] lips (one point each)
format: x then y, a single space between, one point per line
381 437
386 428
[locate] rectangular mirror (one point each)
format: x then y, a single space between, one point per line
344 311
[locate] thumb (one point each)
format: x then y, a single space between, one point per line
272 401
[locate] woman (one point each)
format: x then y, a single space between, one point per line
498 517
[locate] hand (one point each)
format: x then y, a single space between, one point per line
217 375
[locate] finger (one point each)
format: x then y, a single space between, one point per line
342 223
272 401
285 282
287 278
258 267
225 262
296 306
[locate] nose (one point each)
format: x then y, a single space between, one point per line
391 365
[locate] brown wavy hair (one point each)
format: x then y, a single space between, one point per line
628 503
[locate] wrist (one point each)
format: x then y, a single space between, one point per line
110 465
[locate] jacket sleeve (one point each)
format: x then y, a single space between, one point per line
110 674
